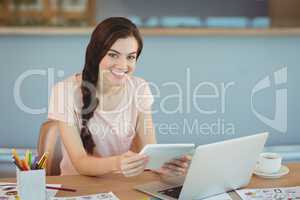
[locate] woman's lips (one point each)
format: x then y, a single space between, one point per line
118 73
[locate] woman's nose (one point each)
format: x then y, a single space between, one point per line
122 63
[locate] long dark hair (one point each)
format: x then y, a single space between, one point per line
103 37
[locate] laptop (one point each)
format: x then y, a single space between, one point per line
215 168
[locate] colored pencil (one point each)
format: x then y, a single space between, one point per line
61 188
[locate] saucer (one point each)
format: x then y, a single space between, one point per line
283 171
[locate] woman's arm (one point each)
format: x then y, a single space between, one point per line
145 132
85 164
129 163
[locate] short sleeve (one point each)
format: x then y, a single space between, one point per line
143 97
61 103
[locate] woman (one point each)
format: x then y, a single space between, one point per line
104 114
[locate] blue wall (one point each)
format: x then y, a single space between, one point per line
242 60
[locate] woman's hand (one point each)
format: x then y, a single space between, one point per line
176 167
132 164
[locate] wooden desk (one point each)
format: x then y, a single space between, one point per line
122 186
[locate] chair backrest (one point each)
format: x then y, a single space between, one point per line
49 141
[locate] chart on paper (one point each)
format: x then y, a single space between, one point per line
284 193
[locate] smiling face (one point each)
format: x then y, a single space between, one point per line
119 61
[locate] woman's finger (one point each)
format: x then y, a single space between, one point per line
178 163
169 170
134 164
186 158
174 167
134 171
135 158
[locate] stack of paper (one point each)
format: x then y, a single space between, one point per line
223 196
100 196
8 191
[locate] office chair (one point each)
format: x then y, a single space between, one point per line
49 141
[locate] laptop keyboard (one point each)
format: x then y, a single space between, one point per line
172 192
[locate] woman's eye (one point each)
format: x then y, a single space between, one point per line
112 55
131 57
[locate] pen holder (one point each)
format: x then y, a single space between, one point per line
31 184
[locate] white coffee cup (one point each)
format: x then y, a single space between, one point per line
269 162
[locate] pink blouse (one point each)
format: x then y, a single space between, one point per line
112 131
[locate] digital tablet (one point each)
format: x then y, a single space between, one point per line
161 153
